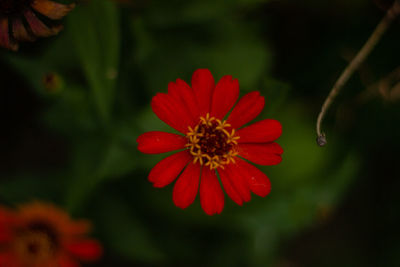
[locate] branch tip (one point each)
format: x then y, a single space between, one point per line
321 140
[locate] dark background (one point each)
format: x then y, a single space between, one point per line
74 144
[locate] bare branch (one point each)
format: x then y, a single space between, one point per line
383 25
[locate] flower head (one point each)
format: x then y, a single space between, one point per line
24 20
213 144
41 235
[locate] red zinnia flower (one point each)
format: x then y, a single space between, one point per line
41 235
20 20
211 145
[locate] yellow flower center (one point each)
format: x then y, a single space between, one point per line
212 142
36 244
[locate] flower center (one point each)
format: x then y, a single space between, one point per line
212 142
13 6
36 243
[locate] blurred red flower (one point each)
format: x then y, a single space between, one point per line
24 20
41 235
210 145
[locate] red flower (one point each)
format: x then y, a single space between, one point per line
211 145
41 235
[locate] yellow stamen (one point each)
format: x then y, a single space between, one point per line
211 144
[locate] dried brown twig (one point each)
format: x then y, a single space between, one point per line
380 29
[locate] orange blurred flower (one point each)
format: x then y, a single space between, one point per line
24 20
41 235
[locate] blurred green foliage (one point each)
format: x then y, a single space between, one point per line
113 58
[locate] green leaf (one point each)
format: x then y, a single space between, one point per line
125 233
225 47
96 36
95 161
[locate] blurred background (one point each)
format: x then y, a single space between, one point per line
72 106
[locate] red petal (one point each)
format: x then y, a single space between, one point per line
52 9
247 109
168 169
160 142
264 131
171 112
230 187
5 40
5 215
224 97
20 32
5 234
7 220
263 154
203 85
211 194
185 189
184 95
8 260
79 227
66 261
38 27
258 182
3 259
88 250
234 184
